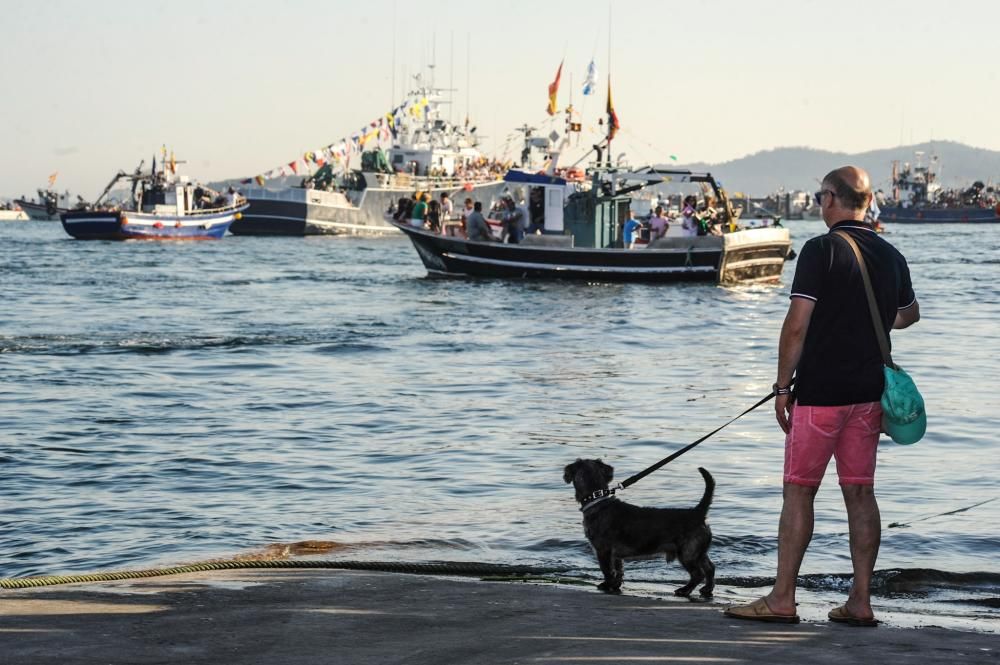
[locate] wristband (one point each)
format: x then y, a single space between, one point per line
778 390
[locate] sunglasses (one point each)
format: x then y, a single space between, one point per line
818 196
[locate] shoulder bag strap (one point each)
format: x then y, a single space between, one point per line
883 343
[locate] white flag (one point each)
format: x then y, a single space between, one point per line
590 84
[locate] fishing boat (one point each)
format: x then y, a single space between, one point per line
48 206
918 197
423 152
162 206
580 236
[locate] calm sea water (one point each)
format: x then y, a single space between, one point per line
166 403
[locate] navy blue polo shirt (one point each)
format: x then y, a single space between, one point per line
841 362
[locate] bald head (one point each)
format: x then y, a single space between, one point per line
851 185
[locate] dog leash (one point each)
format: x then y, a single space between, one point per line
667 460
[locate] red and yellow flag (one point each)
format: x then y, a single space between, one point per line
553 91
613 125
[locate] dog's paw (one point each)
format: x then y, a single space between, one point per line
705 593
607 588
683 592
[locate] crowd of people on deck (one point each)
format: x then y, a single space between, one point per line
695 219
482 168
438 215
422 210
977 195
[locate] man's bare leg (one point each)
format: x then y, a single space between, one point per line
865 524
795 530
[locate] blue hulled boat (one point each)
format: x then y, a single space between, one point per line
162 206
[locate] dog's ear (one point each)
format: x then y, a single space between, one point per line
570 471
607 470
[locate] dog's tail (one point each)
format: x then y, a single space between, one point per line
706 500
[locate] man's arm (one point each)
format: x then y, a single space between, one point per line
793 337
907 316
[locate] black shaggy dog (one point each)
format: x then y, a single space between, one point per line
618 531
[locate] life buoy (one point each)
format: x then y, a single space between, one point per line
124 220
157 225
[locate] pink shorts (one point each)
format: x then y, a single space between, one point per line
847 433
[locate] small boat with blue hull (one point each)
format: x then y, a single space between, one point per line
162 206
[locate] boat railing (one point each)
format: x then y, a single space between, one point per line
423 183
237 206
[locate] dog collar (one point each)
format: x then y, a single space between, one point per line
597 497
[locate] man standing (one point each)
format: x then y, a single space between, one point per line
658 224
630 231
828 343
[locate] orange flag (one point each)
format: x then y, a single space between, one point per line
553 91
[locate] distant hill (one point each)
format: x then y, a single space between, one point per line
764 172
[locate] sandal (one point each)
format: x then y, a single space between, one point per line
759 611
841 615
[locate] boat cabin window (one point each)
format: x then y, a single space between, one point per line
154 196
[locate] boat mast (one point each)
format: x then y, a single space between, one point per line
609 81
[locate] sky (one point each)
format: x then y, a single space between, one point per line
237 88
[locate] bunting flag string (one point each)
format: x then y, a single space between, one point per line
381 130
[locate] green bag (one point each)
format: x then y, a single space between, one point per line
904 418
903 415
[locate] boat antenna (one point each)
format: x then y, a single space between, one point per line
451 79
392 90
609 77
433 64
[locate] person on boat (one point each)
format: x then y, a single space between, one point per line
404 208
536 206
630 231
689 217
514 221
828 344
476 226
447 207
708 218
433 216
418 214
658 224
